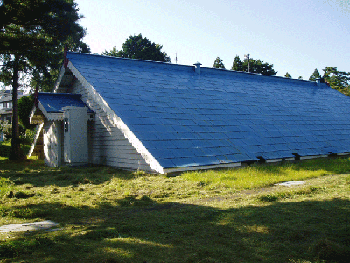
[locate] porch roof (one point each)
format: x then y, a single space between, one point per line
55 102
51 106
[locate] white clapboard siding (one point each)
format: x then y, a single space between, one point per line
52 143
108 145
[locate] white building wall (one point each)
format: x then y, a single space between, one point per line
107 144
52 143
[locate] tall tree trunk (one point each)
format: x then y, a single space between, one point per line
16 153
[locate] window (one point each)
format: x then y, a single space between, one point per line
7 105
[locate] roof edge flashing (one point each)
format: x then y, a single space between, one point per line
201 167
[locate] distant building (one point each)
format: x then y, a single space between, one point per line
6 107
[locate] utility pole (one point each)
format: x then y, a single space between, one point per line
247 57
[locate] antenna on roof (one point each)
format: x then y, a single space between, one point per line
247 57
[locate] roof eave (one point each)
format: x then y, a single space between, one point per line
202 167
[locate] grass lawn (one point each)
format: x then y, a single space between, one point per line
237 215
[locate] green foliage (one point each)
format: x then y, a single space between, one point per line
33 35
255 66
29 136
339 80
7 130
330 251
138 47
133 201
278 196
25 106
315 75
35 32
14 248
5 186
113 53
218 63
4 126
237 64
287 75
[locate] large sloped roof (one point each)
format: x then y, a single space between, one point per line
218 116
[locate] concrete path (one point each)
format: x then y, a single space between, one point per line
36 226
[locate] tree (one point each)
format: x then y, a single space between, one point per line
339 80
300 78
218 63
138 47
255 66
237 64
315 75
113 53
33 34
287 75
25 106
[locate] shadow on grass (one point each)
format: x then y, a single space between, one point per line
5 149
141 230
35 172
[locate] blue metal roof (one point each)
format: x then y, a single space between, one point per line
54 102
220 116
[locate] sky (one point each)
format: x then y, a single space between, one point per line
296 36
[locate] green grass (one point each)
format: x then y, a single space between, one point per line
266 175
5 148
229 215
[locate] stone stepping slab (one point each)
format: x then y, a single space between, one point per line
36 226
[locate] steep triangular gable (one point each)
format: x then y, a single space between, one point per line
178 118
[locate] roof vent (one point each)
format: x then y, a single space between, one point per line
318 81
197 68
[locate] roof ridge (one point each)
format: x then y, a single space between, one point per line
192 66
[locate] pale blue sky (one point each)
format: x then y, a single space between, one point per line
296 36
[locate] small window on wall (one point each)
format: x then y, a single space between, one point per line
66 125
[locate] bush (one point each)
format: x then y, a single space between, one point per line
6 128
26 136
25 106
